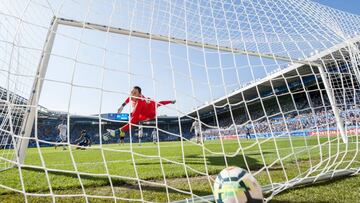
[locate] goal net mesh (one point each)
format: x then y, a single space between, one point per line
274 84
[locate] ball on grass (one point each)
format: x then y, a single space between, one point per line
236 185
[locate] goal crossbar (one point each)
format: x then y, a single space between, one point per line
135 33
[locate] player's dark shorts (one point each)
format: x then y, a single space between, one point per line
122 138
84 143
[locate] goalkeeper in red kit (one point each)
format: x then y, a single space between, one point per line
143 109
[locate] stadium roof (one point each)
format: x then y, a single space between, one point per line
291 73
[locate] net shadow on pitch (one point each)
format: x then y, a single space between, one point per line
104 181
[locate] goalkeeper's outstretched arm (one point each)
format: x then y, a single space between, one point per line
123 105
134 95
166 102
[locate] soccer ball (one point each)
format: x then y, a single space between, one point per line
235 184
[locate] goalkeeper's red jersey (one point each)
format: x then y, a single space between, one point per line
143 109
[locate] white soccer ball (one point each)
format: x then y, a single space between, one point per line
105 137
236 185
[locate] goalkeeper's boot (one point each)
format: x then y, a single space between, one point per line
116 132
173 101
112 133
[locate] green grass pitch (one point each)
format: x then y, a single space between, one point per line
182 166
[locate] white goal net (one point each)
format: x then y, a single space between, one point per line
273 86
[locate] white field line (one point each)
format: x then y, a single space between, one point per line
168 145
170 157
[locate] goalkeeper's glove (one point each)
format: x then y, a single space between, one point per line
120 109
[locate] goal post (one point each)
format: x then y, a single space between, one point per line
334 107
32 106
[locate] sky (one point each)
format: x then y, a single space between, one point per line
92 72
352 6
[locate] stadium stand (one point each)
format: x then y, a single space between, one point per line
296 123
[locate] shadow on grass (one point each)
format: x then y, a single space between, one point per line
102 181
326 183
238 160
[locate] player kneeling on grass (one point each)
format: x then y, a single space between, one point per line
83 141
62 128
143 109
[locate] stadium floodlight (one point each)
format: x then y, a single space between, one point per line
274 84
